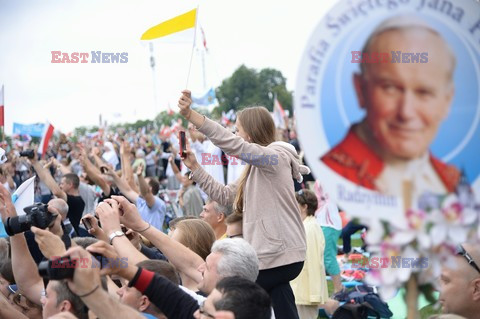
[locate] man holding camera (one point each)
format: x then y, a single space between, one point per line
57 296
67 190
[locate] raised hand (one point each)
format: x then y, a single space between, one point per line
95 230
129 215
108 212
7 209
50 244
85 277
184 103
190 160
107 251
139 170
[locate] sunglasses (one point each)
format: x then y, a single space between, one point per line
462 252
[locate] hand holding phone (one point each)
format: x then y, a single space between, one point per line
183 144
86 222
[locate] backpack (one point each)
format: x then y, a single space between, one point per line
363 295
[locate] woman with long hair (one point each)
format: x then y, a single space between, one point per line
199 237
264 195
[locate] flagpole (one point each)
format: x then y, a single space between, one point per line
189 68
193 47
152 65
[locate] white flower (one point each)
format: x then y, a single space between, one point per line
452 222
437 258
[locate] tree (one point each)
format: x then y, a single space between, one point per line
83 130
165 118
247 87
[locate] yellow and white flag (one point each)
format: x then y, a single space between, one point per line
183 22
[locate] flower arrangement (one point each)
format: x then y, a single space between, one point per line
436 226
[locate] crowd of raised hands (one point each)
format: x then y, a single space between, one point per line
101 267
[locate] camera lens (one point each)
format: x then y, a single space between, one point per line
56 270
18 224
43 269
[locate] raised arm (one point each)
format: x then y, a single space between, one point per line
47 178
109 213
127 170
123 186
175 169
86 284
24 268
63 168
223 194
93 172
230 143
144 188
95 153
167 296
181 257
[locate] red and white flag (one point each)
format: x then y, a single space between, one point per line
204 39
2 105
278 114
46 136
225 119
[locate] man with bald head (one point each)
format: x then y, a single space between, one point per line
405 103
460 283
62 208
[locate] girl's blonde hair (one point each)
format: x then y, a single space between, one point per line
258 124
197 235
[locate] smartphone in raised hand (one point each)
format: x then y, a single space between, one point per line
183 144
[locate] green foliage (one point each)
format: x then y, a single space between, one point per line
164 118
82 130
247 87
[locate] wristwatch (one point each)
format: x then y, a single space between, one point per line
117 233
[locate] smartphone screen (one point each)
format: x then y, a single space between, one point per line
86 223
183 144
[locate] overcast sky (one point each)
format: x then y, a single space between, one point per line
259 34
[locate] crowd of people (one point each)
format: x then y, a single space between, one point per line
138 231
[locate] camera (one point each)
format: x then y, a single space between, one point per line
28 153
36 215
64 267
57 269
